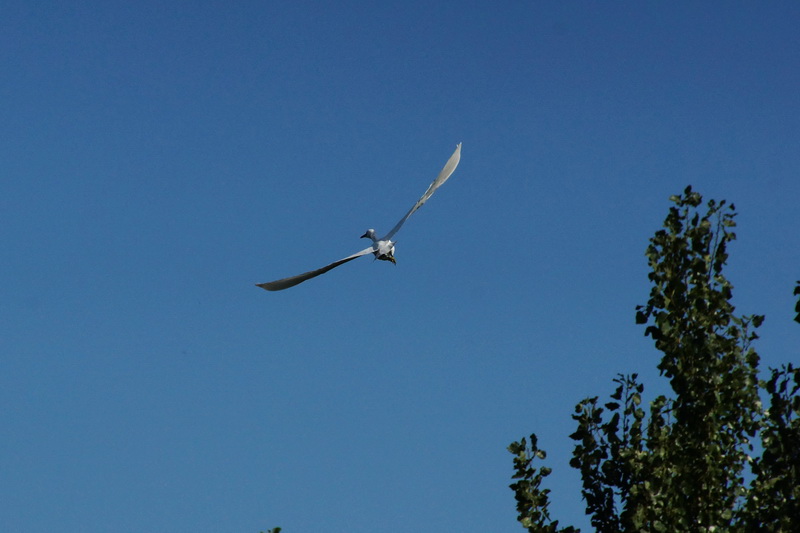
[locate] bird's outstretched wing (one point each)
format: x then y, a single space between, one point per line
285 283
448 169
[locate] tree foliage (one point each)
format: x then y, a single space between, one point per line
683 464
532 501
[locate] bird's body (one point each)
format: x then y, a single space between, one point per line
382 248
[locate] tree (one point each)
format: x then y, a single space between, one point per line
683 466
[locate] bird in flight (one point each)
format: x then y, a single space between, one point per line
382 248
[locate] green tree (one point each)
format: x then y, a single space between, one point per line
683 465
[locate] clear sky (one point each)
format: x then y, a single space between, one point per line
160 158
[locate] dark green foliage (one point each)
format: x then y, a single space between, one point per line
532 502
797 305
682 466
603 455
774 501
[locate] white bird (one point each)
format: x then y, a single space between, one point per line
382 248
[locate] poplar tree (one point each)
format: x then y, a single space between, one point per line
708 457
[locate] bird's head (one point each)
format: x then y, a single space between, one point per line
370 234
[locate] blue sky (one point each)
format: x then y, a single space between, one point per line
159 159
